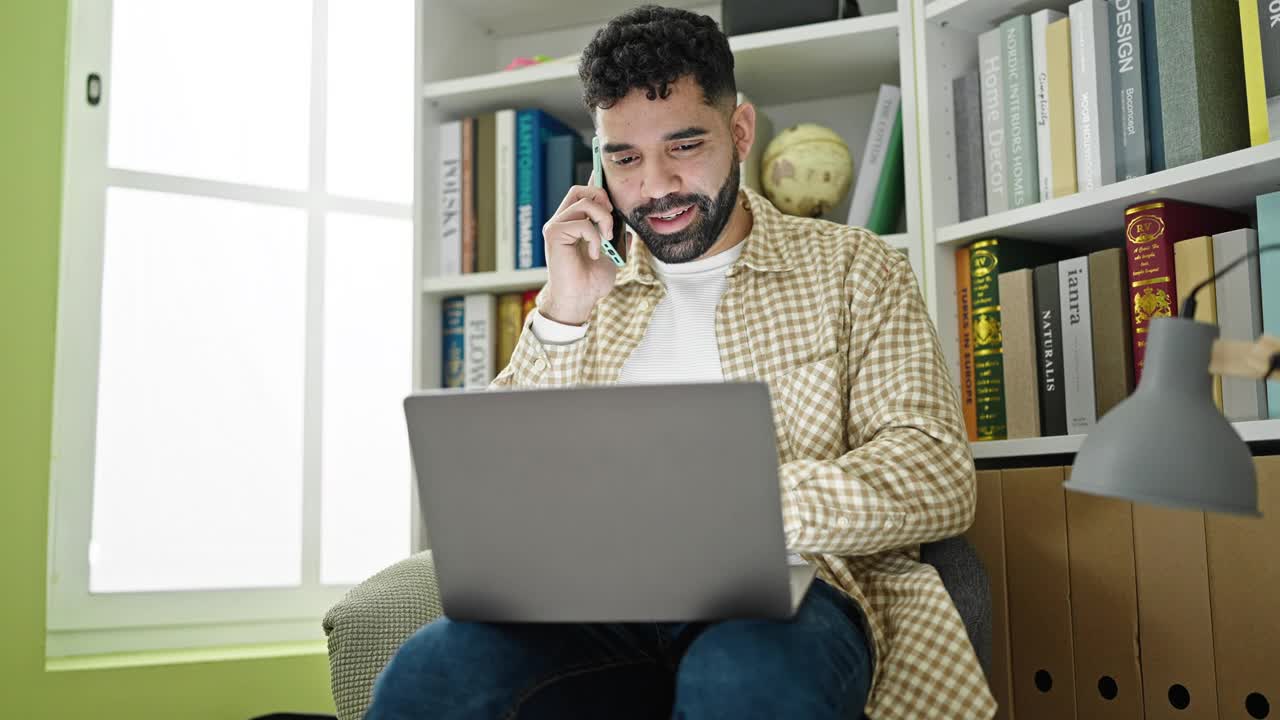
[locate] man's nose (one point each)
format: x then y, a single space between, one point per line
659 180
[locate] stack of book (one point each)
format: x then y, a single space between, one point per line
501 175
1112 90
878 192
480 332
1050 341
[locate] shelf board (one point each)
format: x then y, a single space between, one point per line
521 17
978 15
492 282
1231 180
1250 431
839 57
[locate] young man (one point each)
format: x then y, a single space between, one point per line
722 286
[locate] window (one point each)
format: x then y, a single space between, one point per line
235 329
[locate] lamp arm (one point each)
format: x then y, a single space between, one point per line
1255 360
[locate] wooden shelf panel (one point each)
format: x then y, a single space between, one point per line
840 57
1231 180
1250 431
492 282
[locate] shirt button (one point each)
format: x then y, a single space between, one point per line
643 305
888 524
539 365
843 521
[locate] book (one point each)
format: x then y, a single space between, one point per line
1062 118
533 128
1202 95
468 219
1019 113
479 340
1017 312
1091 83
1239 298
964 332
986 259
1127 88
1151 85
453 342
1193 263
530 299
1053 404
1040 22
510 317
1268 207
1077 345
991 70
563 152
886 209
1260 38
1112 347
505 191
1151 229
966 100
486 189
874 155
449 198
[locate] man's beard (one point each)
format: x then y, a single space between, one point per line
692 242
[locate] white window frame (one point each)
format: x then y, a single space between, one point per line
80 622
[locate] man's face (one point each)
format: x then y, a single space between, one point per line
672 168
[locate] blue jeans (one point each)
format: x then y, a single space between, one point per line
816 665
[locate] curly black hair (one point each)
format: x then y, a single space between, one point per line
652 47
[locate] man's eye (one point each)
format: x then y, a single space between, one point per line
625 160
687 146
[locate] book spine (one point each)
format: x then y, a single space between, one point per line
530 301
992 72
1127 85
1040 22
526 149
1239 298
1201 79
468 195
449 198
1269 271
873 155
1062 128
1019 116
1193 264
1269 35
887 207
505 206
1091 81
1151 82
453 342
988 349
964 323
510 307
1017 314
486 191
1077 345
1149 256
1112 348
1053 408
1255 85
967 112
480 340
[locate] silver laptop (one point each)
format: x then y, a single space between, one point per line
646 503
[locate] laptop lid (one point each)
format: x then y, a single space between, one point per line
602 503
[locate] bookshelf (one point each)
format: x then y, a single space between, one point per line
826 73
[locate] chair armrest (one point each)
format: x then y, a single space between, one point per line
370 623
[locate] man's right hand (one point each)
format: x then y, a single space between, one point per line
578 272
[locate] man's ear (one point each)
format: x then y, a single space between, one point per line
742 126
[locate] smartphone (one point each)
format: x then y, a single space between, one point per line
616 253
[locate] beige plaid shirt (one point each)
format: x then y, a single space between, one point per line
874 455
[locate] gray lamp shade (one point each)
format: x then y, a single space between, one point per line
1167 443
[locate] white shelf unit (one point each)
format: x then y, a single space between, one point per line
828 73
946 38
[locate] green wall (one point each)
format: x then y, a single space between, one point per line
33 57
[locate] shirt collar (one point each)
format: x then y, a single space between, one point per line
766 247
